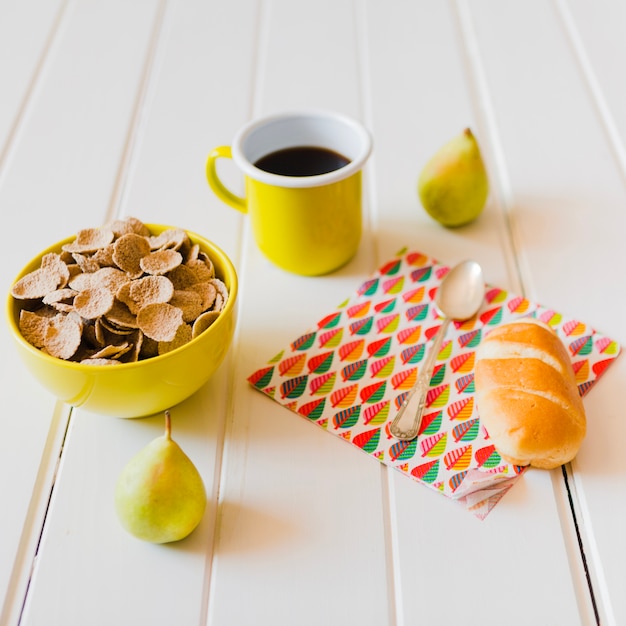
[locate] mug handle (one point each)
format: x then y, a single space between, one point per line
216 184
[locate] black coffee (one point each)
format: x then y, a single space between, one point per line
302 161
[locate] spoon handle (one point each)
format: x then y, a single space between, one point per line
413 406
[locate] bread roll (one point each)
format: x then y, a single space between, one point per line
527 396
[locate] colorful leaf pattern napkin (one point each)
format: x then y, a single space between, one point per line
350 373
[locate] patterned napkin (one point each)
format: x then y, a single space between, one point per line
351 373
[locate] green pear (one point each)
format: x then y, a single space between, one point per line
160 496
453 185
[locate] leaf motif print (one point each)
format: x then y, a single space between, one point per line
445 352
262 377
458 459
344 397
599 367
466 431
462 409
293 387
304 342
292 366
362 326
463 363
518 305
574 328
456 480
551 318
433 445
394 285
382 368
321 363
414 295
368 288
354 371
380 347
431 423
414 354
416 258
581 370
376 413
374 392
388 323
313 410
438 396
470 339
422 274
607 346
352 350
417 313
582 346
488 457
368 440
409 335
403 450
330 321
496 295
585 387
465 384
360 309
492 317
439 372
348 417
392 267
330 338
427 472
386 306
321 385
404 379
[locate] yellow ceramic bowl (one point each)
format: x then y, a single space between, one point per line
144 387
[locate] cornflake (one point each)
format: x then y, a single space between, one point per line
119 294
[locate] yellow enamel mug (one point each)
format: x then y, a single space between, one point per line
305 210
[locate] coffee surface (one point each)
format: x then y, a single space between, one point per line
302 161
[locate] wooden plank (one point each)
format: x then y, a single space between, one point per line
562 169
595 37
302 533
180 116
441 551
29 449
24 44
44 190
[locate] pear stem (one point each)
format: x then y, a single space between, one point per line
168 425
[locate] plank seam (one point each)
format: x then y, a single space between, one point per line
520 266
36 517
589 76
576 516
221 460
138 115
518 269
605 614
389 507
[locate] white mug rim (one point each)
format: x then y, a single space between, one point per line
278 180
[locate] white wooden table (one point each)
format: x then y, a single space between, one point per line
110 108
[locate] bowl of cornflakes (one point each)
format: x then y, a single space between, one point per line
126 319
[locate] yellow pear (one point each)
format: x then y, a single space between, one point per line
160 496
453 186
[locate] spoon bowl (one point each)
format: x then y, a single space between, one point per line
461 291
458 298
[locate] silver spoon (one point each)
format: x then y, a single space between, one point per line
459 297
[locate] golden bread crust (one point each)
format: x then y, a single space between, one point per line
527 396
